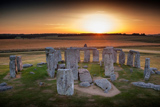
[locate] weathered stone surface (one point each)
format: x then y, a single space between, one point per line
114 56
65 82
84 75
113 77
59 55
19 63
84 84
72 62
123 80
61 66
42 63
137 60
51 65
147 85
4 88
154 69
130 59
147 75
95 56
85 45
27 65
121 58
85 66
157 72
107 50
147 66
13 66
78 55
108 64
56 58
103 55
3 84
104 84
48 50
86 55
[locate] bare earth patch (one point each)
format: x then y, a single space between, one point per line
95 90
7 77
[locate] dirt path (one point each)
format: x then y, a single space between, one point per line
95 90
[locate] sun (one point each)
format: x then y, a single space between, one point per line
98 23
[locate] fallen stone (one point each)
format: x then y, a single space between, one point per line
154 69
157 72
84 84
104 84
113 77
41 83
147 85
65 82
32 73
3 84
42 63
85 66
152 72
84 75
4 88
61 66
27 65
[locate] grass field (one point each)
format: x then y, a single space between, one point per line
26 91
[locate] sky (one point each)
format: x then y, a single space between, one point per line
79 16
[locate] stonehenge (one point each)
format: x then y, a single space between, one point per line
130 58
13 66
108 61
65 82
19 63
72 61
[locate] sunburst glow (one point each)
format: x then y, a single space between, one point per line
98 23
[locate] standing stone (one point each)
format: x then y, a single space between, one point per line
51 67
59 55
95 55
19 63
85 45
137 60
121 58
114 56
56 58
147 66
72 62
84 75
78 55
86 55
108 61
65 82
13 66
48 50
148 74
130 59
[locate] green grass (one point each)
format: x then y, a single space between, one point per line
27 92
